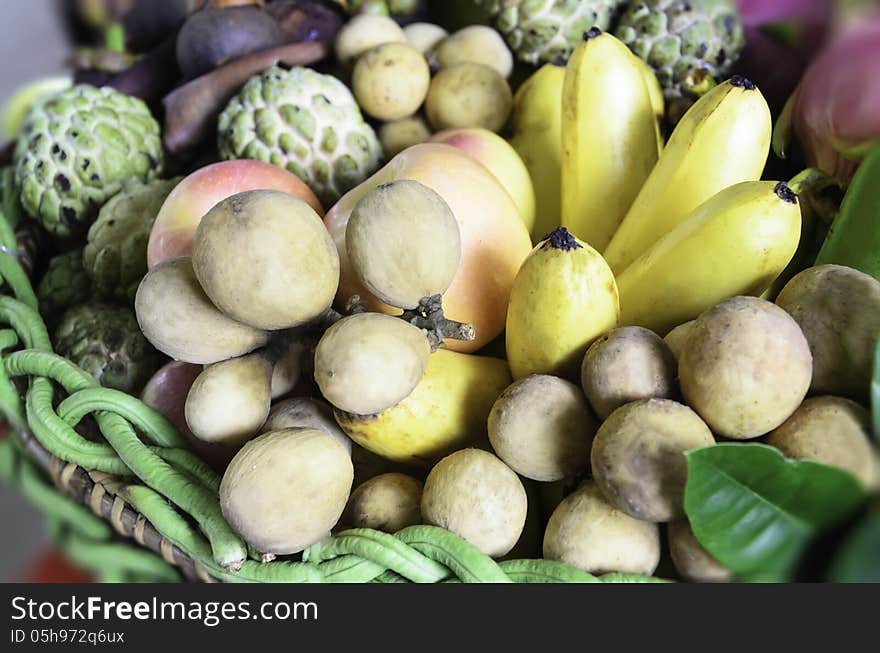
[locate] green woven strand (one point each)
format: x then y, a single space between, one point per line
381 548
15 276
27 323
389 577
111 576
17 471
132 454
464 559
8 339
350 569
10 402
187 461
62 441
165 519
85 397
52 432
80 534
33 362
7 233
90 400
229 550
544 571
10 209
114 561
50 502
125 451
276 572
619 577
177 530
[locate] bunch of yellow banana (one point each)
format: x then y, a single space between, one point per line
609 137
722 140
537 138
682 226
607 95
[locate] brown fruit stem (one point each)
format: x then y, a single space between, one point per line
429 317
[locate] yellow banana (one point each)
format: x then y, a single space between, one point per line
446 411
537 138
563 298
609 137
658 103
655 91
735 244
722 140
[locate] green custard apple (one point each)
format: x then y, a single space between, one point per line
107 343
546 31
690 45
306 122
75 150
115 255
64 284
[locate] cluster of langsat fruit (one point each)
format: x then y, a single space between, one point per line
261 278
459 79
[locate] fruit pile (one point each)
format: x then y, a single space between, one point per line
522 273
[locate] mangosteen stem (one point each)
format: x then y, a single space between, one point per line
429 317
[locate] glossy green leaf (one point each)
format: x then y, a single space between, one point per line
858 558
756 511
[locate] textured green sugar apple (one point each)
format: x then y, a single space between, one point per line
115 255
687 43
546 31
303 121
64 284
75 150
107 343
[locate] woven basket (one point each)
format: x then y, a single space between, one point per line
136 504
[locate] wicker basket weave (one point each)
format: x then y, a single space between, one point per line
137 505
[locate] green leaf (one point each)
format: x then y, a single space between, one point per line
756 511
858 558
875 393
